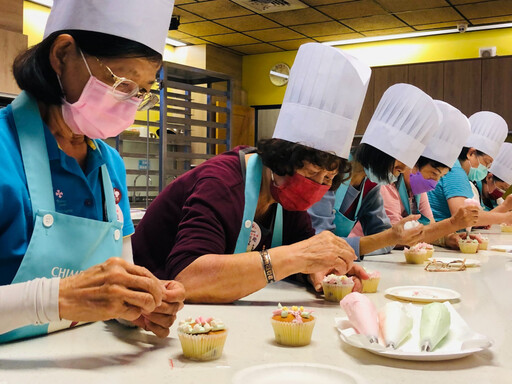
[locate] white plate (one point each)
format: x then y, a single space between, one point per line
501 248
423 294
296 373
461 340
469 262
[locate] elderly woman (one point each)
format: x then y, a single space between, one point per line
65 217
409 194
402 124
488 133
238 221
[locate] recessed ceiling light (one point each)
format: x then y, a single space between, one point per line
175 43
46 3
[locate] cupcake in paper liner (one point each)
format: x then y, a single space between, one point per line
370 285
468 245
336 287
483 241
202 339
292 326
506 228
415 255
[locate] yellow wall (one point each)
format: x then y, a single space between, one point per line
260 90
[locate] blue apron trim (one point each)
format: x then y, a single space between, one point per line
252 191
343 225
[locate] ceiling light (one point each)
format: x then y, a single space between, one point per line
415 34
46 3
174 43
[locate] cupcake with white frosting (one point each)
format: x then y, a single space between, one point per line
202 339
336 287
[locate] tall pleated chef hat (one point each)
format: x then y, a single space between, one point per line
403 123
146 22
323 99
488 131
502 163
449 139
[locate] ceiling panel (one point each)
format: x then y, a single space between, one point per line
291 45
203 28
456 2
186 17
492 20
299 16
275 34
371 23
353 9
216 9
230 39
180 2
390 31
321 29
315 3
247 23
344 36
429 16
410 5
194 41
486 9
445 25
255 49
178 35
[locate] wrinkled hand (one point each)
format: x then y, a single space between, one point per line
161 319
407 237
324 252
465 217
358 273
452 240
113 289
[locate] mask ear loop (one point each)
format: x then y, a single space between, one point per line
88 70
85 61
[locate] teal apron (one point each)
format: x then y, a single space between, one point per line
252 192
404 197
61 245
343 224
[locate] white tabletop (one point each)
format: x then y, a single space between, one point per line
108 352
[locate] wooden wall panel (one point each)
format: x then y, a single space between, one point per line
11 43
11 15
368 108
428 77
463 85
496 87
386 77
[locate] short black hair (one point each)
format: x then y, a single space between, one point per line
496 179
423 161
284 158
34 74
380 163
464 153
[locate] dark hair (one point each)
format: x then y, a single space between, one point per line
464 153
496 179
378 162
284 158
34 74
423 161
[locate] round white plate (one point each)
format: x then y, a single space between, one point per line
423 294
296 373
426 356
501 248
469 262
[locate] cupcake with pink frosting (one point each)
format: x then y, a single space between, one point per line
336 287
202 339
468 245
370 285
483 241
416 254
293 326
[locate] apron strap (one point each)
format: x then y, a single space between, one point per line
108 190
277 235
404 195
33 151
340 196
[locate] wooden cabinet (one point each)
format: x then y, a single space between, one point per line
496 87
427 77
463 85
385 77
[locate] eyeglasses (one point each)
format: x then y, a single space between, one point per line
452 266
124 89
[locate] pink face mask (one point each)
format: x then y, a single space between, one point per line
98 114
298 193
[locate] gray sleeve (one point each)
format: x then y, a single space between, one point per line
373 218
322 213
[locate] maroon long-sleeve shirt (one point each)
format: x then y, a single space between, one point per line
201 213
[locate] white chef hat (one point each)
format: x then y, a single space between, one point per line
502 163
403 123
449 139
144 21
488 131
323 100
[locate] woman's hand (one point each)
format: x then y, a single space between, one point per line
358 273
410 236
113 289
465 217
325 252
160 320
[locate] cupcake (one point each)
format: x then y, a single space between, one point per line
415 255
202 339
370 285
483 241
427 247
506 228
468 245
292 327
336 287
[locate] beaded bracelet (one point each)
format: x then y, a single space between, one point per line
267 266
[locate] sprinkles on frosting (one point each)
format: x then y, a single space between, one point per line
298 312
